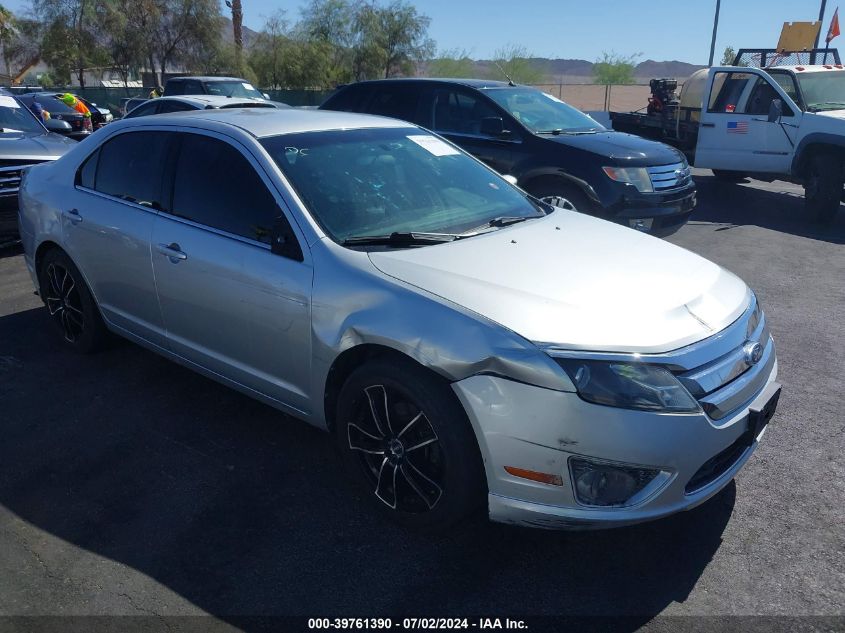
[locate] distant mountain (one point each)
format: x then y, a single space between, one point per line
228 34
581 70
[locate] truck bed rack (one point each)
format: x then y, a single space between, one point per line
768 57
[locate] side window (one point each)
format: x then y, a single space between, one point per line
787 82
85 175
131 167
727 91
145 109
397 101
175 88
460 112
761 98
347 99
173 106
216 186
194 88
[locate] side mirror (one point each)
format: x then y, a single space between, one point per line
266 96
493 126
510 179
775 110
58 126
283 241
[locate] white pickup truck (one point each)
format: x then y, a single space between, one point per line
777 123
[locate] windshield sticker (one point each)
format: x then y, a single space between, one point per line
8 102
434 145
555 99
247 86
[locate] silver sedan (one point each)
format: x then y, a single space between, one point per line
466 345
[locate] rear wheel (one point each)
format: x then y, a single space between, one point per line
408 445
729 176
70 303
823 187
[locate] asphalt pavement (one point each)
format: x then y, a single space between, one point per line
130 486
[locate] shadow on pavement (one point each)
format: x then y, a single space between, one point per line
737 204
243 511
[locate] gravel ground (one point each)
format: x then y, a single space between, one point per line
132 486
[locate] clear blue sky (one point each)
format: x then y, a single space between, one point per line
659 29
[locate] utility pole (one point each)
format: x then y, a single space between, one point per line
715 28
237 27
818 34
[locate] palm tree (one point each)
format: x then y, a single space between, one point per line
237 27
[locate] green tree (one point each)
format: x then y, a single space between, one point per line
728 56
329 26
452 63
612 69
184 29
515 62
8 35
395 37
71 36
122 35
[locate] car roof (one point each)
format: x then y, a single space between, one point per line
215 101
187 77
471 83
263 122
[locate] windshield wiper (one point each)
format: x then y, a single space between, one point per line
502 220
399 238
557 131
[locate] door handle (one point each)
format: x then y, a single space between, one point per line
172 252
72 215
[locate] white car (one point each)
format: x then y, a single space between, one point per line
465 344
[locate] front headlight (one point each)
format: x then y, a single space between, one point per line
637 176
628 385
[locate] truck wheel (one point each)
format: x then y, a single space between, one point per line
729 176
823 188
555 192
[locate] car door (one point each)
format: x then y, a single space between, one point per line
460 114
107 224
735 133
231 305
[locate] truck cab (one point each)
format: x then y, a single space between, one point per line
775 123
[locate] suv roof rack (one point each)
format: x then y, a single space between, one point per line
768 57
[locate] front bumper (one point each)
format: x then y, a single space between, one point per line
659 214
537 429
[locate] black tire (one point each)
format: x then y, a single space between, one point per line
554 190
729 176
70 303
419 464
823 187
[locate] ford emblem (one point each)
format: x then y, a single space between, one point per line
752 352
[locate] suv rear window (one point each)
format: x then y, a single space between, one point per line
398 101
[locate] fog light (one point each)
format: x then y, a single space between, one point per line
602 484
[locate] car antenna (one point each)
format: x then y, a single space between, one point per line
502 70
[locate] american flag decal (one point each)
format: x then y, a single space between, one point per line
737 127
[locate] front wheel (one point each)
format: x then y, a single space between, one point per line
407 444
823 188
562 194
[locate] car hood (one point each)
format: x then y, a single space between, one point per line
577 282
31 146
623 149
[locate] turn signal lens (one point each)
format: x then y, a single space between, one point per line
543 478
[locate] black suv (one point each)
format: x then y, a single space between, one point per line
553 150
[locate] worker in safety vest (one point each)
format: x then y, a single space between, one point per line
69 100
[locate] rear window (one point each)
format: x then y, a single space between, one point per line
49 103
346 99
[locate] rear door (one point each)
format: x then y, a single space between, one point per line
735 133
229 304
107 224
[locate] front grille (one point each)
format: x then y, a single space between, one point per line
728 382
10 176
667 177
718 465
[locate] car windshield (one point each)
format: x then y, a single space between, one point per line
823 90
16 118
50 103
541 112
232 89
377 182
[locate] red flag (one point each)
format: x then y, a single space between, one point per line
833 31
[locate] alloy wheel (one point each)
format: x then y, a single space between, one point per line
63 301
398 450
558 201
